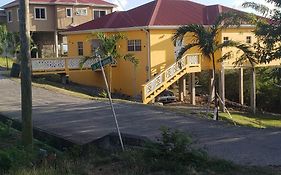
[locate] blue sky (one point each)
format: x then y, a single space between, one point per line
128 4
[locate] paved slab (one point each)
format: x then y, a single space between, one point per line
82 121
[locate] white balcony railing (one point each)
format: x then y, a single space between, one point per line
59 64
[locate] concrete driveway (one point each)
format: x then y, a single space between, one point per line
82 121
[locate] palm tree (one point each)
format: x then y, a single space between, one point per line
205 38
108 47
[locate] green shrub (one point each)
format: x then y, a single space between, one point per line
103 94
5 161
5 129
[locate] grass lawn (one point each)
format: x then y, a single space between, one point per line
171 156
3 62
258 120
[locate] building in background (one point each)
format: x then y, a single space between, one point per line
49 17
2 17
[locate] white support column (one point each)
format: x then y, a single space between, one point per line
211 88
192 89
56 44
253 91
222 89
61 48
182 88
241 86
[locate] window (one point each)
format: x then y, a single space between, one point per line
9 16
225 39
81 12
248 39
40 13
134 45
80 48
99 13
69 12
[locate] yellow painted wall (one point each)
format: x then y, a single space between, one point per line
128 80
124 75
240 35
163 51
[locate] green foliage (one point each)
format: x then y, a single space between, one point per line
108 46
103 94
5 129
5 161
173 153
6 62
268 31
9 41
268 81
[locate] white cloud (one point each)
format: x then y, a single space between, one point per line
122 4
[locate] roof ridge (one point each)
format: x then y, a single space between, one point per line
155 12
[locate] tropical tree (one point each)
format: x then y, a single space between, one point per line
108 47
206 39
26 88
9 42
268 29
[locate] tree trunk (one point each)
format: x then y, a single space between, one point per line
216 112
26 89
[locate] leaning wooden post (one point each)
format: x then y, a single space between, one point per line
26 88
253 91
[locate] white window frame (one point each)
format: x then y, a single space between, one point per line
18 14
71 12
134 45
99 10
9 16
78 14
40 17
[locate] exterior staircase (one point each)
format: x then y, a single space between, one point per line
190 63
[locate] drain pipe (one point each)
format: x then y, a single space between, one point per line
148 67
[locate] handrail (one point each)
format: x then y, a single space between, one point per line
190 60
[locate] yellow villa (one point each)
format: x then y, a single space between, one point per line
149 30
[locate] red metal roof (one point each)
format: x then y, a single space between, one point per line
158 13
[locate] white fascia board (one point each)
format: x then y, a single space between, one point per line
138 28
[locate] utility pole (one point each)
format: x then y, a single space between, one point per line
26 87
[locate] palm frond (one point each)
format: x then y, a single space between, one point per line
226 56
227 44
196 29
264 10
131 58
276 2
186 48
249 55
